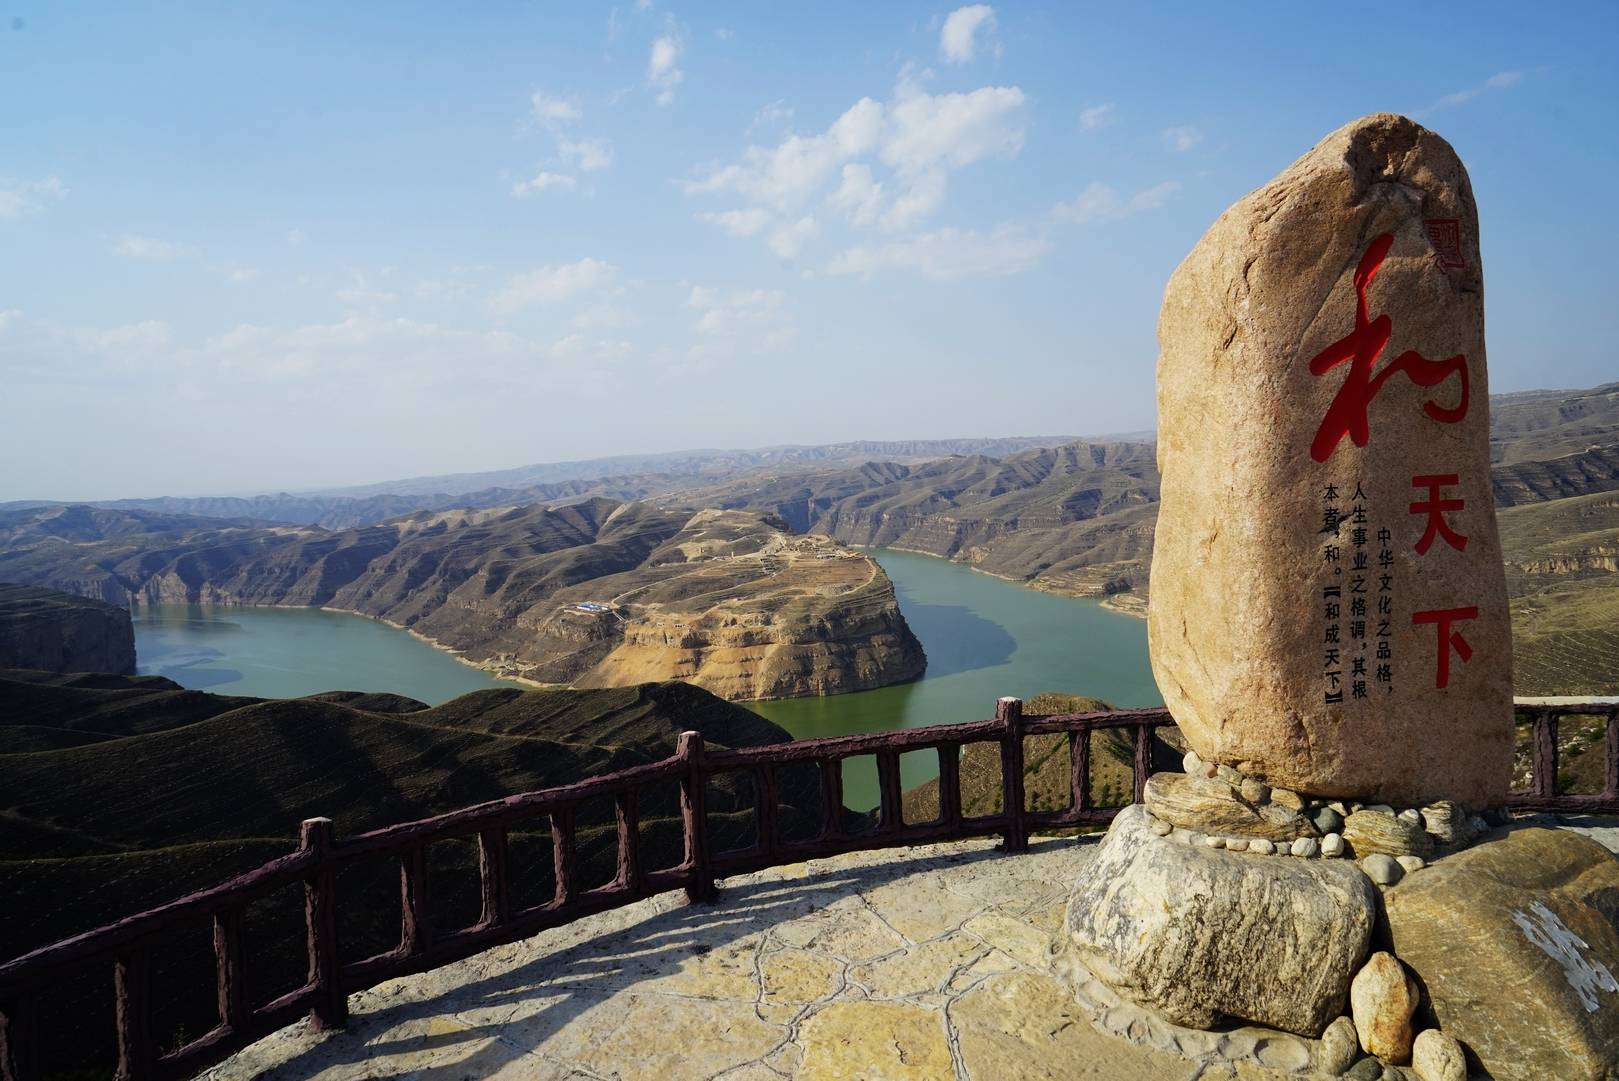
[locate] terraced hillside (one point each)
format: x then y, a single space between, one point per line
149 791
593 594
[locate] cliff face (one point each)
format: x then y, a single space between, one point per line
59 632
594 594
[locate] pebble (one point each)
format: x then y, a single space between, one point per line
1339 1047
1214 842
1340 806
1210 770
1192 764
1160 828
1477 826
1304 846
1382 869
1229 776
1411 815
1437 1057
1262 846
1411 863
1236 844
1332 845
1255 791
1328 821
1383 807
1367 1069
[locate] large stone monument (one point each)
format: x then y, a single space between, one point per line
1328 625
1328 608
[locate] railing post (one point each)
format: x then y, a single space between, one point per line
1079 757
495 904
17 1062
1143 761
627 808
133 1008
564 856
694 818
415 924
950 785
764 787
1611 789
831 798
1544 779
229 979
331 1006
1009 712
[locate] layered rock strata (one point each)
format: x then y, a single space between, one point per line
52 631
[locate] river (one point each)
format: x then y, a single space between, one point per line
984 638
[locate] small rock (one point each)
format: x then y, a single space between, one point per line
1328 821
1382 998
1192 764
1411 815
1367 1069
1371 830
1332 845
1304 846
1255 791
1160 828
1380 808
1437 1057
1410 863
1287 798
1477 826
1214 842
1260 845
1236 844
1382 869
1444 820
1339 805
1339 1046
1195 838
1229 775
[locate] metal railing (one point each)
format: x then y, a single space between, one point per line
127 944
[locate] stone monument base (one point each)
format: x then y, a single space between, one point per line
1495 949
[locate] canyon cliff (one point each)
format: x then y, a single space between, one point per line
593 594
52 631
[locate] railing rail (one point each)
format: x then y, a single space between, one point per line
127 943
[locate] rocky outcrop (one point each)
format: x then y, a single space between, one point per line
52 631
1516 944
1198 934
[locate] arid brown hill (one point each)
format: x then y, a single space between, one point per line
592 594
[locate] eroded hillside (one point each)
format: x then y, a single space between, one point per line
593 594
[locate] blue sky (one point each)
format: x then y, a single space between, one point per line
286 246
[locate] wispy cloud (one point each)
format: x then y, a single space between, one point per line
1102 202
946 254
1096 116
1182 138
150 249
663 72
543 182
958 38
554 284
1501 80
18 198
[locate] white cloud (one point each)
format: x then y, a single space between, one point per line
742 319
602 317
749 221
362 294
18 198
859 195
241 275
1501 80
554 284
723 33
134 246
958 38
578 348
587 155
663 66
543 182
777 114
1102 202
919 137
1096 116
946 254
296 237
553 112
789 238
1183 138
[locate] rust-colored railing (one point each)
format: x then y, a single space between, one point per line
126 945
1542 794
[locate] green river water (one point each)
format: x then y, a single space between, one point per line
984 638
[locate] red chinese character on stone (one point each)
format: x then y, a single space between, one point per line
1362 347
1442 618
1436 509
1445 234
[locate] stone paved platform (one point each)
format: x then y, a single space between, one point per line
916 963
